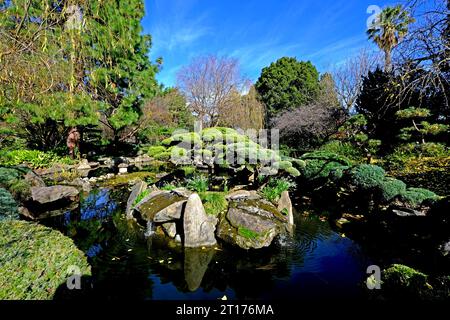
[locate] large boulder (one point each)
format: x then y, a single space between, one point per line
161 205
198 227
251 224
50 201
285 206
46 195
136 190
34 180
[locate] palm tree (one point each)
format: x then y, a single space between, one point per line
388 29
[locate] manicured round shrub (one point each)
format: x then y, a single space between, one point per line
390 188
35 260
8 207
367 176
154 150
293 172
415 196
319 169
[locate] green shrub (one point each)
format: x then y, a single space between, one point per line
188 170
297 163
409 152
20 189
402 280
367 176
326 156
415 196
35 260
319 169
322 165
198 184
345 149
214 202
390 188
8 207
154 150
7 175
283 165
336 173
292 171
163 156
275 187
34 158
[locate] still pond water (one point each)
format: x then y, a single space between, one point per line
316 263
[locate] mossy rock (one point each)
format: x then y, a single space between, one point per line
35 261
400 281
8 207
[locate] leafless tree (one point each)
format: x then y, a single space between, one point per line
349 76
307 126
209 84
423 58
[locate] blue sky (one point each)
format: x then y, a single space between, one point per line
257 32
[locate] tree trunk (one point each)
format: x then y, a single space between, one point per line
388 61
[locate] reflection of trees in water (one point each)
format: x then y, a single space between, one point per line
123 262
115 246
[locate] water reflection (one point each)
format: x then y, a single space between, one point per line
315 263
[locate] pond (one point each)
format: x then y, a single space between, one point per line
316 263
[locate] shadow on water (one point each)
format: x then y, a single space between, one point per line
315 263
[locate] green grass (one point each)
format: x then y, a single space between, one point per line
214 202
141 196
275 187
34 261
198 184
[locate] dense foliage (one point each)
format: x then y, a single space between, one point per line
288 83
35 260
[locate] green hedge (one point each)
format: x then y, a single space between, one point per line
34 260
